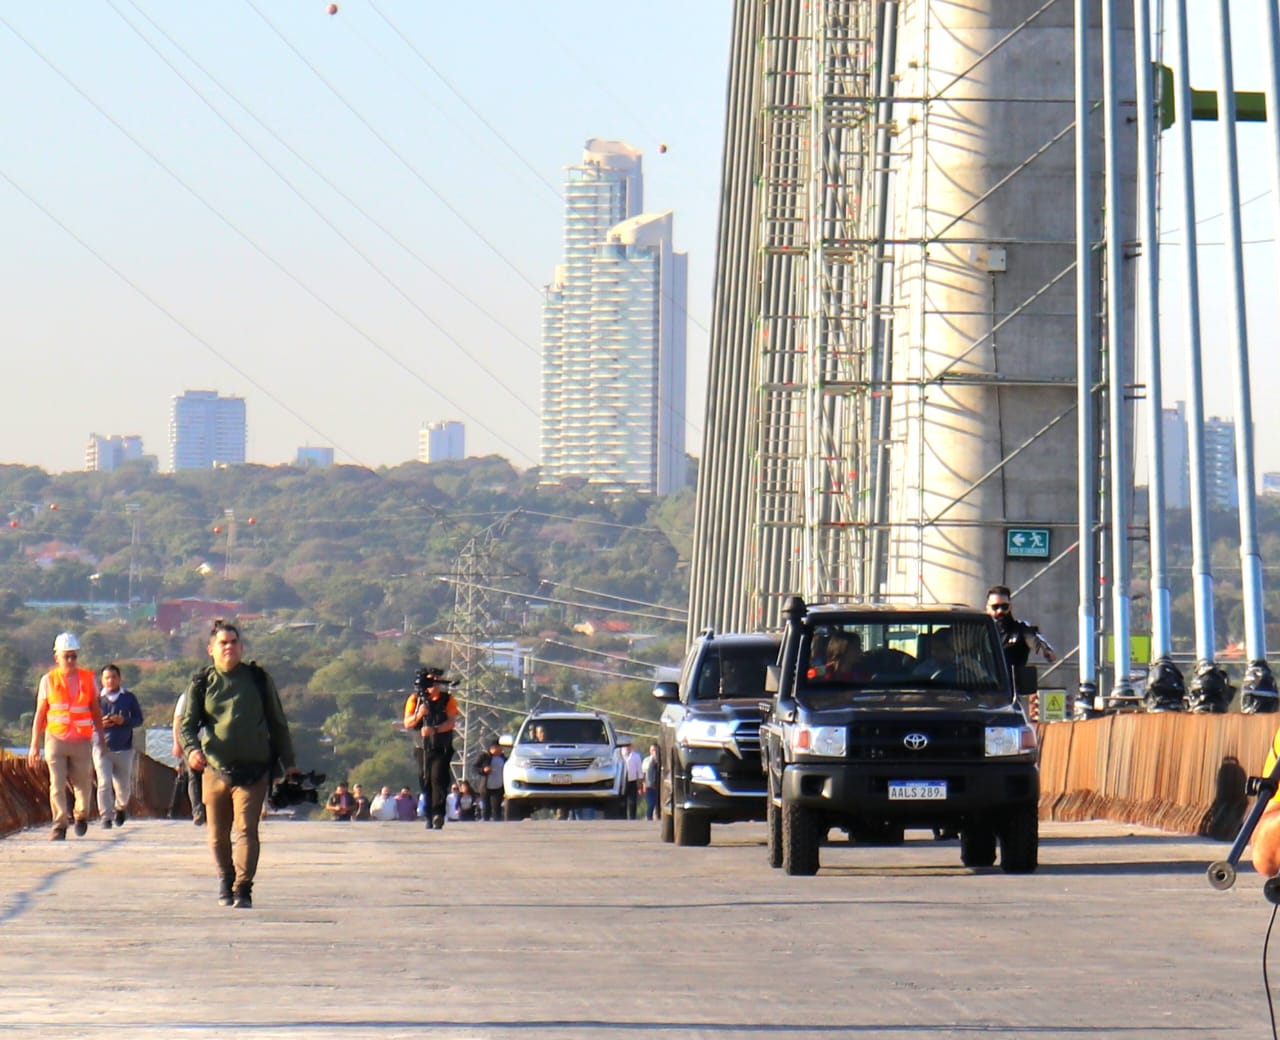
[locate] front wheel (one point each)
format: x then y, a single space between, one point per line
773 831
512 810
977 847
1020 841
800 840
691 828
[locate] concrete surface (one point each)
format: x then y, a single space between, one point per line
548 929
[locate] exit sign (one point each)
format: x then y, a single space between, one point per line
1027 543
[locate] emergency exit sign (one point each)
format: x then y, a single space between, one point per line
1026 543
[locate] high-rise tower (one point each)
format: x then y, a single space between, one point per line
613 335
206 430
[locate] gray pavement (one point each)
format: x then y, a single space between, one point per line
549 929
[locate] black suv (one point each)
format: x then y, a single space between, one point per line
884 718
710 741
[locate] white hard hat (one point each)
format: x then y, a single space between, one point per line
65 641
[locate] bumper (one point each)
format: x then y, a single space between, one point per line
724 787
972 791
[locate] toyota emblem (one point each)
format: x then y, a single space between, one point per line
915 741
561 761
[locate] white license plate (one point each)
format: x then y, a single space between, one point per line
917 790
562 778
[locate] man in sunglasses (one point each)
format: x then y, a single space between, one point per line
68 718
1017 637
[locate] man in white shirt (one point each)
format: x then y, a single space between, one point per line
634 764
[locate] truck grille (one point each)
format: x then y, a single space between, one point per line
887 741
561 761
747 736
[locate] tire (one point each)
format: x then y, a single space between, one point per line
773 831
1020 841
666 826
978 847
800 834
512 810
666 798
692 828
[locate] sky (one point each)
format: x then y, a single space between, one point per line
348 219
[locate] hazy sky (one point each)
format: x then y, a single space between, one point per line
348 220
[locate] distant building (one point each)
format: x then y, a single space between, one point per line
314 458
105 454
1220 464
613 335
439 441
206 430
1177 485
1220 487
1271 483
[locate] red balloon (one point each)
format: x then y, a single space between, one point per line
217 530
13 523
662 148
252 520
333 8
53 505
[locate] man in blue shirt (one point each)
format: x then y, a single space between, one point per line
113 756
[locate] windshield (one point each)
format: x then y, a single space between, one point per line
734 671
563 731
920 657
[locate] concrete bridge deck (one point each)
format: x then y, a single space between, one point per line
595 929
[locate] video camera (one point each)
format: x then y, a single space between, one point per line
296 790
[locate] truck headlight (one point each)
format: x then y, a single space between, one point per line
697 733
828 741
1002 741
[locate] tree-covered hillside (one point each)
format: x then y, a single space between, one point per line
347 579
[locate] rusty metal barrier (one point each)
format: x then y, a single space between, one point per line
24 792
1181 773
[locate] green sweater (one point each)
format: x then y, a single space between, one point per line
240 724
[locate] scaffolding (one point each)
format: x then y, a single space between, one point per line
896 329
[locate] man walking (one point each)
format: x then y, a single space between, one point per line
67 718
245 733
490 766
432 711
113 756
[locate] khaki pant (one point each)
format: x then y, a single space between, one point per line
69 760
232 814
115 780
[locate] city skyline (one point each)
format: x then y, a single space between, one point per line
244 196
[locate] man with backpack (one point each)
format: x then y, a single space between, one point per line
245 734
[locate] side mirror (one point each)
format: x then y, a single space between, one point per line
772 678
666 691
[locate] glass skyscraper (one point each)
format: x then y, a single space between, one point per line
206 430
613 335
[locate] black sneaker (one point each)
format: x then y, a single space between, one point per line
438 823
225 898
243 896
198 820
82 828
106 824
120 817
58 834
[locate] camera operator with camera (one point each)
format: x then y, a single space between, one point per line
432 711
234 730
1018 639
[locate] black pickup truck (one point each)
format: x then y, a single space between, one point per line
710 744
885 718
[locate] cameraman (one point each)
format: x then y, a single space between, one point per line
433 712
1017 637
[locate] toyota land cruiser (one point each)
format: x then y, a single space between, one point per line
884 718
